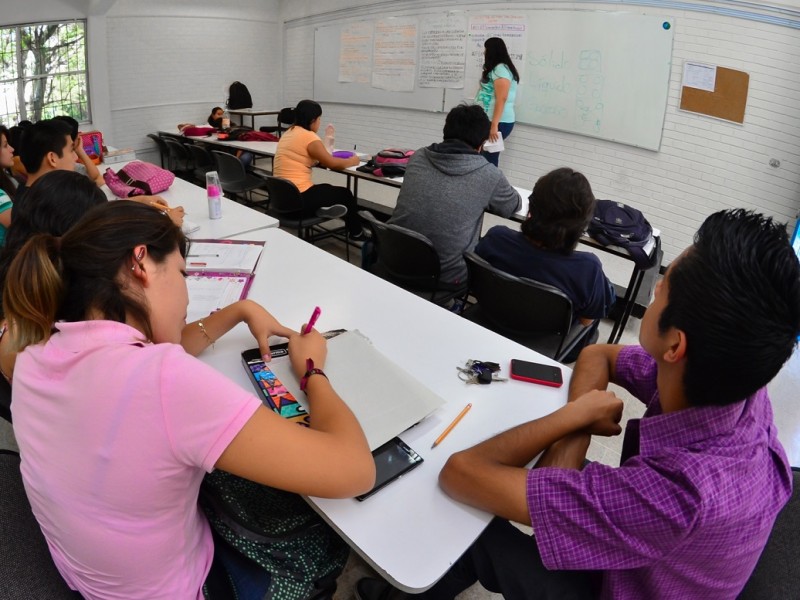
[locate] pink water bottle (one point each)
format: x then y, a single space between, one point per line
214 192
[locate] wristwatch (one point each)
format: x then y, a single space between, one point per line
310 370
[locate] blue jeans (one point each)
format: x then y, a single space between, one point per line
249 580
505 131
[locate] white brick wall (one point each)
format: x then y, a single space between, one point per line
170 67
704 164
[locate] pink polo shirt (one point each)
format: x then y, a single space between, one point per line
115 436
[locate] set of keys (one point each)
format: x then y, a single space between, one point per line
480 371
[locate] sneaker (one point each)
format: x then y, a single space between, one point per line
361 236
370 588
334 211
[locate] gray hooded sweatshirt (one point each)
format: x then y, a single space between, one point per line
446 189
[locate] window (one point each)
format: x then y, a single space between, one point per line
43 72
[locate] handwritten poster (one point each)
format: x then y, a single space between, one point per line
355 55
443 45
513 31
394 58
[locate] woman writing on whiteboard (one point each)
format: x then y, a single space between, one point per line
299 149
498 89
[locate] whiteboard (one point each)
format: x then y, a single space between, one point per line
599 74
327 86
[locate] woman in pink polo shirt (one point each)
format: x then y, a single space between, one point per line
117 424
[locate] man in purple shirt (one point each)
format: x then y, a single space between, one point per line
702 474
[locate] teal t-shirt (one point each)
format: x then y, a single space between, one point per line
5 204
485 96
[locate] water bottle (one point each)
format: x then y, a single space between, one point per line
226 120
330 134
214 192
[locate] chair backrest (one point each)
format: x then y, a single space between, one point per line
230 169
517 305
406 257
179 153
162 148
26 569
777 574
284 197
202 157
286 116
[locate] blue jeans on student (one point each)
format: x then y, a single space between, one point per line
505 131
249 580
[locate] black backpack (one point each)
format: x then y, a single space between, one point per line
239 96
617 224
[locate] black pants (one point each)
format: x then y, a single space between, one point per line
506 561
326 194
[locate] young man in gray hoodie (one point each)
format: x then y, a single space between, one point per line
447 188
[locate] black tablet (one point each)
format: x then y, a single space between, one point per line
392 460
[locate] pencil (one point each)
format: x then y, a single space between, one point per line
450 427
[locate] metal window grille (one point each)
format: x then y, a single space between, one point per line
43 72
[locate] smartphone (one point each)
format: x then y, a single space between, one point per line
392 460
536 373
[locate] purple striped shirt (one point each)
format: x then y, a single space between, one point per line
685 516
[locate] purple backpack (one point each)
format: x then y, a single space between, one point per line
617 224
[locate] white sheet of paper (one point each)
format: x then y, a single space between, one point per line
219 256
385 399
702 77
209 294
497 146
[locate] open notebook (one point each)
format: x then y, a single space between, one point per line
385 398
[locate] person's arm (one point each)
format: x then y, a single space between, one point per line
92 172
5 218
331 458
176 213
501 89
594 370
261 323
492 475
319 153
505 200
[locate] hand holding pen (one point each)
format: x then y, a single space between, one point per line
312 321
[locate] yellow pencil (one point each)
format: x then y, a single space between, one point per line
452 425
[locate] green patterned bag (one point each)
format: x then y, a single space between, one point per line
279 531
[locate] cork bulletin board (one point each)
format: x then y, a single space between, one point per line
728 100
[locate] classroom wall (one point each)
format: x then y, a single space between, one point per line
704 165
171 61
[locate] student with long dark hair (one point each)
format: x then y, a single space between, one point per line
7 187
498 89
117 425
299 149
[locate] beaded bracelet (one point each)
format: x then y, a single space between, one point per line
310 370
205 333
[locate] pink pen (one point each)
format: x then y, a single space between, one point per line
313 320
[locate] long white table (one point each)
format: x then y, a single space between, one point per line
252 113
236 218
410 531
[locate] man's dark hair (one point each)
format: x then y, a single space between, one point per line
467 123
41 138
736 296
561 206
306 112
74 126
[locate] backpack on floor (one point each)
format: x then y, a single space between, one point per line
617 224
239 96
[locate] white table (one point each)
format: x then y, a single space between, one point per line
252 113
410 531
236 218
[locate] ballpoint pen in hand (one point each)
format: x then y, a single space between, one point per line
312 321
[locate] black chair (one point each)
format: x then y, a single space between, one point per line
27 569
181 162
5 399
235 180
777 573
286 202
533 314
409 260
285 117
202 160
163 151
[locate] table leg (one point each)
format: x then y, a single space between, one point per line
629 302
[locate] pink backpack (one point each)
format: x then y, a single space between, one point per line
391 162
138 179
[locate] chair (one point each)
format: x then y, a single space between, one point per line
533 314
777 573
286 202
26 570
203 161
285 117
235 179
181 160
162 150
5 399
409 260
